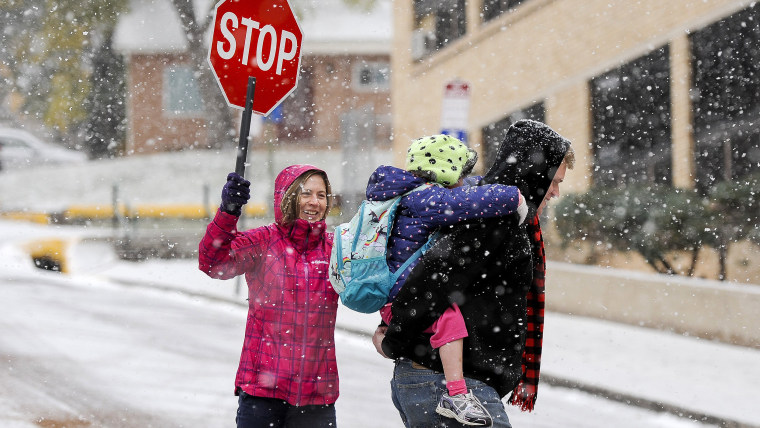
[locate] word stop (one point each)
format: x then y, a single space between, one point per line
284 50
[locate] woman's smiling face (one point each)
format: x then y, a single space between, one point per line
312 201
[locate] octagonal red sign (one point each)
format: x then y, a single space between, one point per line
259 38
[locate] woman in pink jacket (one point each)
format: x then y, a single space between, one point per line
288 376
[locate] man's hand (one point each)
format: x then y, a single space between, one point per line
377 339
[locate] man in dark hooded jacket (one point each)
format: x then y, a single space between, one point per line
494 270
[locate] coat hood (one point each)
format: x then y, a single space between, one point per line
284 179
388 182
528 158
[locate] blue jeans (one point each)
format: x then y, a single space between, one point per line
260 412
416 391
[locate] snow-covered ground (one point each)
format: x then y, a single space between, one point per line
156 344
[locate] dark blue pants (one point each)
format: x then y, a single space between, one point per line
259 412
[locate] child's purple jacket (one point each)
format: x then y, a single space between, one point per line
420 213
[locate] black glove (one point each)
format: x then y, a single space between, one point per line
235 194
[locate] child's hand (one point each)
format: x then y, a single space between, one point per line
377 339
522 208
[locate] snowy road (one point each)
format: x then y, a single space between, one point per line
81 352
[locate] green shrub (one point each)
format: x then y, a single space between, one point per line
734 214
654 221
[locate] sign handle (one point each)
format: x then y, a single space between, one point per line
245 128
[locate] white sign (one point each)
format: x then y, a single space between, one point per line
455 109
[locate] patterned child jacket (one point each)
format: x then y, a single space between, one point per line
289 347
420 213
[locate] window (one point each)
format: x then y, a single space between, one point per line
494 133
630 109
726 85
436 24
371 76
181 93
495 8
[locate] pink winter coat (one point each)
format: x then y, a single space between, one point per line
289 347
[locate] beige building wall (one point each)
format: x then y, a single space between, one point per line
708 309
548 50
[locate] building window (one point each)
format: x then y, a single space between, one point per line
181 93
495 8
726 89
494 133
631 122
436 24
371 76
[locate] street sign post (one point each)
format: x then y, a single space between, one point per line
455 109
255 53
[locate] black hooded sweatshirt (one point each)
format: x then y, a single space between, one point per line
484 266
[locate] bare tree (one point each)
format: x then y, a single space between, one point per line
218 114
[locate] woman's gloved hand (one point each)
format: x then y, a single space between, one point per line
235 194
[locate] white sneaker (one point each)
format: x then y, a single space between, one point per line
465 408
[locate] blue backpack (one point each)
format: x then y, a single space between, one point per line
359 270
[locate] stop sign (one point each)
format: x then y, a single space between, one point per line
258 38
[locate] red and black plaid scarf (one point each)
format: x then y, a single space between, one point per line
524 395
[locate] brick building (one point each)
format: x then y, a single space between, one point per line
345 68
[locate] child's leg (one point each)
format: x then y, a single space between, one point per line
448 332
451 358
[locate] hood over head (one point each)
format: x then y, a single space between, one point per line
528 158
388 182
284 179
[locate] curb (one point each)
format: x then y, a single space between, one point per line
643 403
32 217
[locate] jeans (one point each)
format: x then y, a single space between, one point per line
416 391
260 412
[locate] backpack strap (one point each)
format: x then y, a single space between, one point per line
415 255
338 245
356 236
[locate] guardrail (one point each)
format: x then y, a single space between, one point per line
76 214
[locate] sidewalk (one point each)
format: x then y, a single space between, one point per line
699 379
695 378
705 380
